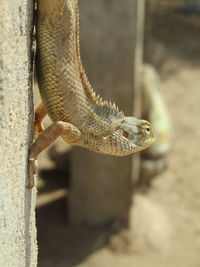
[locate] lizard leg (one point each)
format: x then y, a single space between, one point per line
48 136
40 113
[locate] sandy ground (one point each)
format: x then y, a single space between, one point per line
167 226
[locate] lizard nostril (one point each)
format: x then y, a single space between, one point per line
147 128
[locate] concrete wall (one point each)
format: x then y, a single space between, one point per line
17 217
111 45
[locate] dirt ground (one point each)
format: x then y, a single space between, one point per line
167 218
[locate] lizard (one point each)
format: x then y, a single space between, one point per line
78 114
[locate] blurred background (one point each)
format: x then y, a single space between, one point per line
161 225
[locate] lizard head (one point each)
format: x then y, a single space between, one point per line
131 135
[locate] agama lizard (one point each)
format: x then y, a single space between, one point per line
78 115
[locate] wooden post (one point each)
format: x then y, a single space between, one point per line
17 216
101 186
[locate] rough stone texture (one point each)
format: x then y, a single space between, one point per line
101 186
17 217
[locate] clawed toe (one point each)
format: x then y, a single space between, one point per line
32 169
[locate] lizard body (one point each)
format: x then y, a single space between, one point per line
78 114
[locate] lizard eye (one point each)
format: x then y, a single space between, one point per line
125 134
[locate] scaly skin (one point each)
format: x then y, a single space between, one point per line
78 115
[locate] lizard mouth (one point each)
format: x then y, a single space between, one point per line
146 139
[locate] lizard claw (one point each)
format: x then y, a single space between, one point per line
32 169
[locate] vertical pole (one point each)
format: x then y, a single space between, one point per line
138 60
101 189
17 216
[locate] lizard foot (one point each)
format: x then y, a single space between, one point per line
32 169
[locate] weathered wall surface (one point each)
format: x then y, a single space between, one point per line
17 218
101 186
